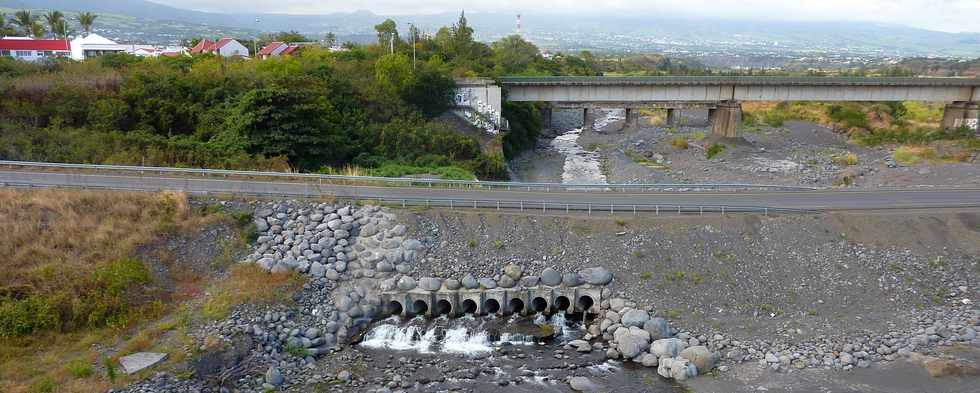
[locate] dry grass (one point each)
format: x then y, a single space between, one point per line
679 143
248 283
849 159
48 233
911 155
57 244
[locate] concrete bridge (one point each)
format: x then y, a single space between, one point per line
722 96
497 301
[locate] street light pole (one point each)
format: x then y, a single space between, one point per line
413 32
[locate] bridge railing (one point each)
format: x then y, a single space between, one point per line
392 181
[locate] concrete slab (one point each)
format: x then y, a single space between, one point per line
141 360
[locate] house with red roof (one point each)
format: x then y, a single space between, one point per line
277 48
29 49
226 47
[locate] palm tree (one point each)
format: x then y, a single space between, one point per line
87 19
37 30
56 22
25 21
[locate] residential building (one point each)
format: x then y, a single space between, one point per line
29 49
226 47
95 45
278 49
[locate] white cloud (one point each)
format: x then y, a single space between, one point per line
944 15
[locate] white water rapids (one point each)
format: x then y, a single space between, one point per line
462 336
583 166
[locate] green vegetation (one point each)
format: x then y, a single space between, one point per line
714 150
911 155
317 111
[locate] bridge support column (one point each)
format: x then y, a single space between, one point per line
588 122
546 114
953 115
632 118
672 117
726 118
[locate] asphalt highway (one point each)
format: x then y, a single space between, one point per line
822 200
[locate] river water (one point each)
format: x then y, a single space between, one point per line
562 158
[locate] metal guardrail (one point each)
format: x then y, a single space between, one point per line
460 203
408 181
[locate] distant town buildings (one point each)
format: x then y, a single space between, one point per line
225 47
29 49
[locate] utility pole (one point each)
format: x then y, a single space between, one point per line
413 32
255 41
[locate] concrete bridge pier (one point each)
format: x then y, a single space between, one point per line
546 114
588 120
632 118
725 119
673 117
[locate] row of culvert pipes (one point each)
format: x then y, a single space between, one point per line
526 301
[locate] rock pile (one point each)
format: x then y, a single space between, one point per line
325 240
635 336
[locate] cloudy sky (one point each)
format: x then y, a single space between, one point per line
944 15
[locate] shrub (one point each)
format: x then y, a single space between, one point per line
79 368
714 150
20 317
849 159
680 143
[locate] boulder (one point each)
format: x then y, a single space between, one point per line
407 283
470 282
550 277
631 345
677 368
700 356
635 317
530 281
141 360
506 282
582 384
513 271
317 270
657 327
596 275
667 347
487 283
571 280
650 360
274 377
452 284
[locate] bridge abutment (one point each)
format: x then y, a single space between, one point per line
673 119
961 114
725 119
546 116
588 119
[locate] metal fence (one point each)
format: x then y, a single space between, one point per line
399 181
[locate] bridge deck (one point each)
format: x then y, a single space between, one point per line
734 80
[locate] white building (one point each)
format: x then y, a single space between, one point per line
225 47
94 45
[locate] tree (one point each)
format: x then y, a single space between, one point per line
329 40
25 20
37 30
387 33
56 22
514 54
4 30
393 72
87 19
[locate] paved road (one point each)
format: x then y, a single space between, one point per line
811 200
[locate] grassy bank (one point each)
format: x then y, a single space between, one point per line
89 278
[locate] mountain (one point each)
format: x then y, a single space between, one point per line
577 32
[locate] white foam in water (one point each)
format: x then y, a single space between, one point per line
460 341
582 166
